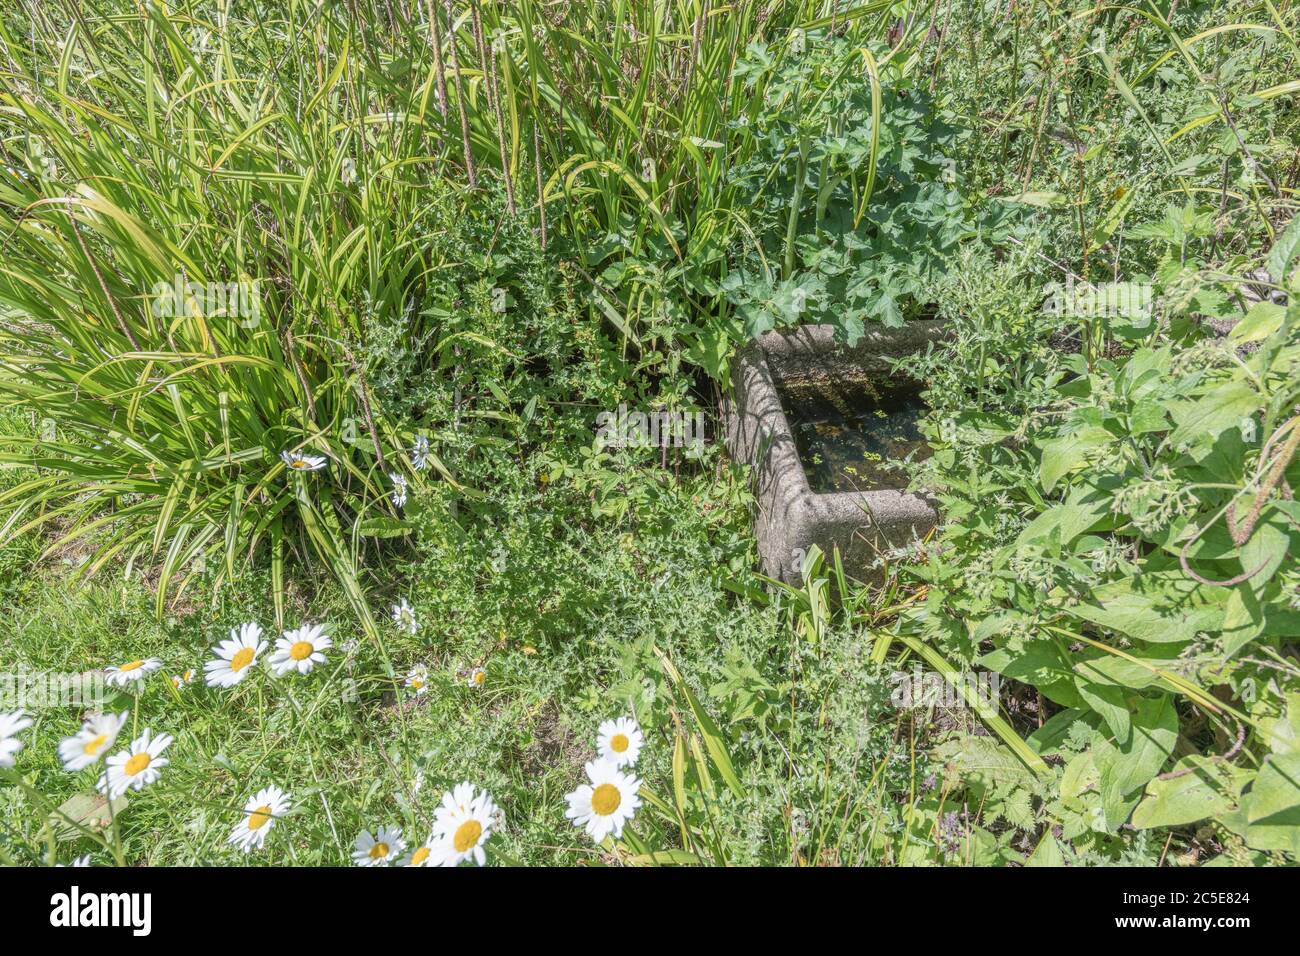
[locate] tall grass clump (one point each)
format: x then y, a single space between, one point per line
184 148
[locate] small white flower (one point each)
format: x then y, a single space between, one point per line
404 617
619 741
96 737
420 452
399 489
10 724
136 767
606 803
260 813
417 679
297 461
462 823
422 855
300 650
235 657
348 171
477 678
379 850
131 673
183 680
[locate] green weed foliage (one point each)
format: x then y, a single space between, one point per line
310 309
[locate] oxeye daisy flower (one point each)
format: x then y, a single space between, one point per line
235 657
260 813
422 855
182 680
462 823
420 452
619 741
300 650
298 461
379 850
95 739
132 672
417 679
606 803
399 489
137 766
10 724
477 678
404 617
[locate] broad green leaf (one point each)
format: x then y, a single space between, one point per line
1273 805
1220 409
1125 768
1183 799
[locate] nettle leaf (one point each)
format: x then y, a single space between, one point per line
1177 801
1109 701
1126 767
1282 734
1039 663
1282 257
1266 548
1064 454
1123 672
1273 805
1214 413
1263 319
1161 608
1067 520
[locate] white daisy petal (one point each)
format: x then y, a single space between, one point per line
235 657
619 741
261 812
300 650
404 617
10 724
132 673
136 767
462 824
96 738
298 461
417 679
420 452
378 850
607 803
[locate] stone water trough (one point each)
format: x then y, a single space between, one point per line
816 422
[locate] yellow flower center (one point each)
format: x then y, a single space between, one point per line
241 659
259 817
618 743
301 650
379 851
299 463
419 856
467 835
133 666
137 764
478 677
605 799
92 746
417 684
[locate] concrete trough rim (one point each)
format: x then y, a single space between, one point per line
769 446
